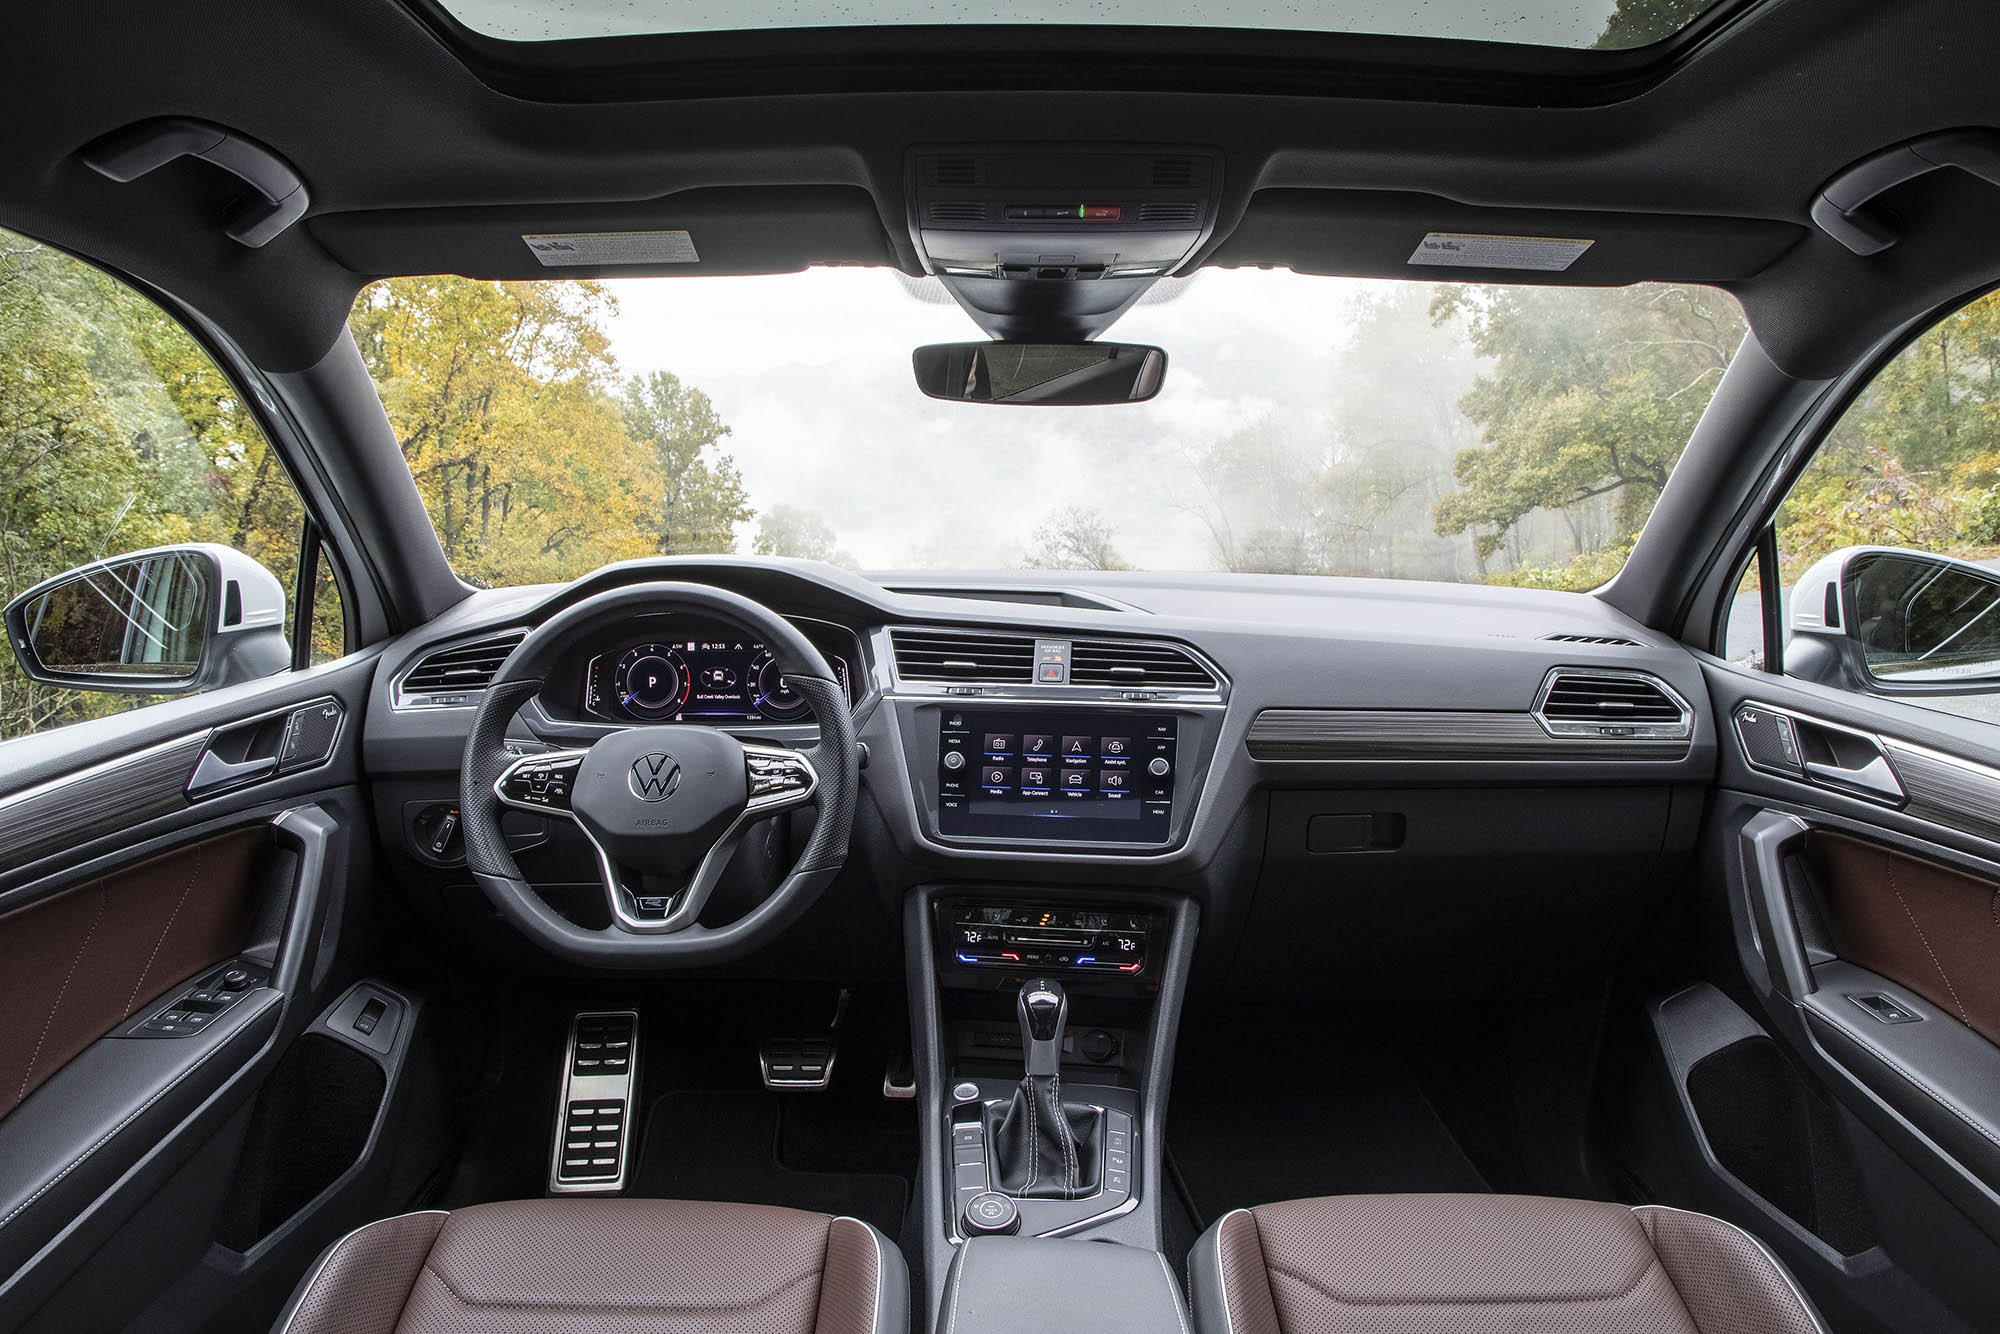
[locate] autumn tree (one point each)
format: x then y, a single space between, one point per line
1074 538
704 498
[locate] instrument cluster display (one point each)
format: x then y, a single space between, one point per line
712 676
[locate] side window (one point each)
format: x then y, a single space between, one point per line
1888 545
119 434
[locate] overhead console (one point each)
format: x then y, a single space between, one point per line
1038 244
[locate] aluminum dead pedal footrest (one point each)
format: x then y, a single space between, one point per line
594 1129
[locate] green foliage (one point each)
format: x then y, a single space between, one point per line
1587 394
1643 22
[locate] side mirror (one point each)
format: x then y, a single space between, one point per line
1049 374
1894 622
164 621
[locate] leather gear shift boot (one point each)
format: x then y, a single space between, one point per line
1042 1149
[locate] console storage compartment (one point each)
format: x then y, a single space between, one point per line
999 1285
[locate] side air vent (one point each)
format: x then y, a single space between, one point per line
459 669
1185 213
941 655
1173 173
1100 662
955 210
1612 641
1611 704
955 171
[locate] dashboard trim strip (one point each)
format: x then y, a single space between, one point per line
1314 735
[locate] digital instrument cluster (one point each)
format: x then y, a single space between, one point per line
709 677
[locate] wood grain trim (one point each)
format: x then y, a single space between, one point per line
1954 793
101 800
1431 734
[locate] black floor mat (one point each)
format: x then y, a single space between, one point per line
725 1145
1251 1125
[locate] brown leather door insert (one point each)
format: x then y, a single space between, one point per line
1924 926
74 965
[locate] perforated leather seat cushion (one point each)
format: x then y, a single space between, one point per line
1487 1264
605 1266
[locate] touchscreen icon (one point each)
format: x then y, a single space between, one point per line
1037 745
1116 746
998 777
999 743
1076 780
1034 778
1074 747
1112 780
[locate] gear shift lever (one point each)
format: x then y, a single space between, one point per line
1044 1013
1043 1148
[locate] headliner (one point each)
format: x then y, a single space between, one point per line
427 151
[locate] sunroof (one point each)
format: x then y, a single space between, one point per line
1614 25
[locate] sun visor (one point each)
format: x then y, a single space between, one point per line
723 230
1380 234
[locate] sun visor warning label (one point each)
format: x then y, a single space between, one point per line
557 249
1468 250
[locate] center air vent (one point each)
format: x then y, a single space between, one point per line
460 669
944 655
1100 662
1186 213
956 210
1611 704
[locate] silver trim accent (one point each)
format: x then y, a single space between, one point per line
596 1088
1876 781
707 875
13 799
1680 731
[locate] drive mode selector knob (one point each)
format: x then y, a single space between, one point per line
991 1214
954 760
1159 768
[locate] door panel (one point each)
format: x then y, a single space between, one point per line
1865 923
120 896
77 963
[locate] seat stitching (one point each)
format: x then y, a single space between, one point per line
1645 1272
765 1300
1034 1137
1937 963
103 896
1769 1255
1221 1273
875 1323
325 1261
958 1285
1173 1291
112 1133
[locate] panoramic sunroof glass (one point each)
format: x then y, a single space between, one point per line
1611 25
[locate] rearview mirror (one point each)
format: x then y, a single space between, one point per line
1050 374
164 621
1890 621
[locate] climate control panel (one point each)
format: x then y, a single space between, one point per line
1050 939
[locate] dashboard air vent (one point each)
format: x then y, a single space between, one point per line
955 171
1101 662
1612 705
1187 212
1607 640
956 210
1173 173
942 655
462 666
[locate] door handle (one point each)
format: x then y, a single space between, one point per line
1875 777
214 772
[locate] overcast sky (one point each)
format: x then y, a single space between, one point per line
812 372
1541 22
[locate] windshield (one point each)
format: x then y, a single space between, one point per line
1307 425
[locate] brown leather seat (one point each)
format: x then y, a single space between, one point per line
606 1266
1483 1264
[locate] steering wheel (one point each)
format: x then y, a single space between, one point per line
664 806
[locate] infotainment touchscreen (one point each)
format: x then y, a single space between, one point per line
1074 776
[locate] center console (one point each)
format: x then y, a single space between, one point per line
1045 1024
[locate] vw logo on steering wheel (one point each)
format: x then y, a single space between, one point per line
655 777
